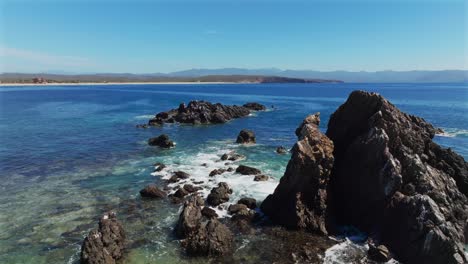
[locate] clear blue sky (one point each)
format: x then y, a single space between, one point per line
163 36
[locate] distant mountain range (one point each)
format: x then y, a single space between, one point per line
259 75
346 76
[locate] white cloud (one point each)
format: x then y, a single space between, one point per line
40 58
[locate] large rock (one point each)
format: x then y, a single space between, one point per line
105 244
391 180
190 218
212 238
255 106
219 195
201 112
246 137
152 191
300 199
162 141
247 170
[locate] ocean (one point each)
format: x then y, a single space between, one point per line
70 153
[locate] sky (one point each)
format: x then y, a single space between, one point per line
163 36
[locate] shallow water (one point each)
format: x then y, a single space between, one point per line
68 154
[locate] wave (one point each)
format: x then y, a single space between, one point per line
144 117
453 132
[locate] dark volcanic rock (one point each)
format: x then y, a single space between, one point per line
249 202
191 189
235 208
219 195
246 170
281 150
209 213
211 239
390 179
232 156
181 193
190 218
217 172
379 254
160 168
201 112
162 141
300 200
261 177
105 244
246 137
152 191
255 106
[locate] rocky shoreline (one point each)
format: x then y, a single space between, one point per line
376 168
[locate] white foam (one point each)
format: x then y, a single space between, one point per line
144 116
453 132
242 185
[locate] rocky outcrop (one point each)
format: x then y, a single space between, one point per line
246 170
105 244
281 150
261 177
216 172
232 156
162 141
201 112
255 106
219 195
152 191
202 237
391 180
300 199
249 202
246 137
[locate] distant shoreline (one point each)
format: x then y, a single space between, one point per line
112 83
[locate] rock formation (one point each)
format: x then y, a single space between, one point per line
391 180
203 237
246 170
152 191
281 150
246 137
162 141
300 199
219 195
201 112
105 244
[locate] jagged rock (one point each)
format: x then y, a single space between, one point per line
217 172
104 245
249 202
209 213
219 195
191 189
246 170
210 239
162 141
181 193
179 175
201 112
232 156
261 177
255 106
246 137
190 218
379 253
281 150
160 168
152 191
234 208
300 199
390 179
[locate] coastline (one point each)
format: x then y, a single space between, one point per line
111 83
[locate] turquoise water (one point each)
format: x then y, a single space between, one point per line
68 154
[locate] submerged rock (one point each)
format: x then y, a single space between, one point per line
162 141
152 191
261 177
216 172
300 199
246 170
219 195
104 245
390 179
249 202
232 156
246 137
281 150
201 112
255 106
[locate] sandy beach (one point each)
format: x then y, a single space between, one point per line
107 83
